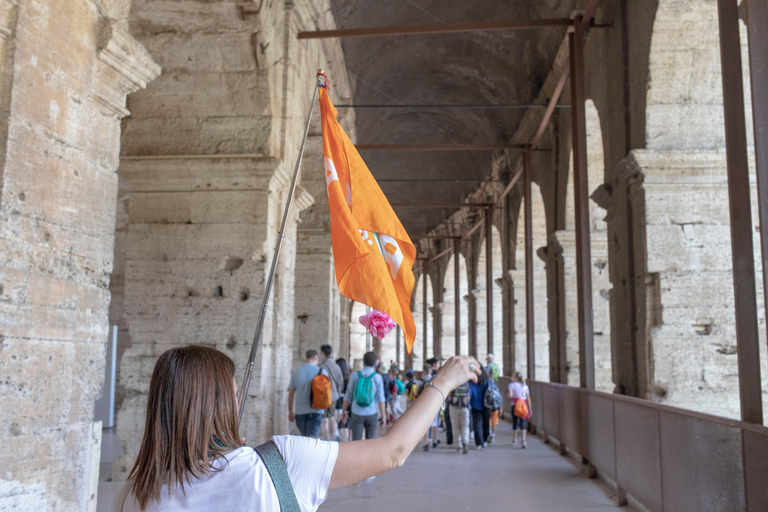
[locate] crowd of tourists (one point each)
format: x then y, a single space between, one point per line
327 399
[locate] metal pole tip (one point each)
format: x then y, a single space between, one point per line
320 72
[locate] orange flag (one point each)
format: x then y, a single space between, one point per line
372 252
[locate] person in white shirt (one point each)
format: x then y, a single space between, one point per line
517 390
191 457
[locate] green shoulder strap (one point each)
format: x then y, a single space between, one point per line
275 464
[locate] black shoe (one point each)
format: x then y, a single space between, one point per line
425 448
434 445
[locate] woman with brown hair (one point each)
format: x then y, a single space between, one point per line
191 457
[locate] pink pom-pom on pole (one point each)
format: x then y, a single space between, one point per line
378 323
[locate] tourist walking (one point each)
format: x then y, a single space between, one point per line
365 392
458 402
480 414
300 409
493 372
397 388
518 391
343 425
330 425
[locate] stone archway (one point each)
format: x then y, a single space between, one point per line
417 355
601 286
541 326
497 295
449 310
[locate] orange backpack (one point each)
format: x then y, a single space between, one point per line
321 396
521 408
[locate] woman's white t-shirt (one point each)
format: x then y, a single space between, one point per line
245 485
519 390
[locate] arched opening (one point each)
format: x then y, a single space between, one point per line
601 285
418 319
541 327
449 308
481 292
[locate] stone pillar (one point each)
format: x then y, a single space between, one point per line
66 68
685 310
566 240
209 153
317 296
447 314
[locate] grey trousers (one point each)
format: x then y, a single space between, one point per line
358 423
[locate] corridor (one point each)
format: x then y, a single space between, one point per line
501 477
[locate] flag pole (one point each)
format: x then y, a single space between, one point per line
278 245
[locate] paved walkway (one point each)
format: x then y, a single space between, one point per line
499 477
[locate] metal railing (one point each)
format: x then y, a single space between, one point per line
664 458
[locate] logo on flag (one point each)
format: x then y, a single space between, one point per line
372 252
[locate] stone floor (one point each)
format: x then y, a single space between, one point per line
500 477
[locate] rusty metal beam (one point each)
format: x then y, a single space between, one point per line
446 28
433 180
489 278
441 205
456 295
581 206
439 147
425 271
528 219
757 21
397 347
747 342
428 106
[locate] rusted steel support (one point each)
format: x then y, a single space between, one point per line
440 147
477 106
425 271
489 278
397 347
757 21
456 293
747 342
529 327
581 204
446 28
442 205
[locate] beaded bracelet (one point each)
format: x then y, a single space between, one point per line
431 384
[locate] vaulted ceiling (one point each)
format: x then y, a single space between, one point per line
476 68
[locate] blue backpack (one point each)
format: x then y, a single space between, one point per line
363 394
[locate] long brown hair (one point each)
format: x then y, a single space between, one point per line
192 419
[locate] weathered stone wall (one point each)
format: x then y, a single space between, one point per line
66 67
208 156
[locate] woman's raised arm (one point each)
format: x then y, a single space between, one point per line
359 460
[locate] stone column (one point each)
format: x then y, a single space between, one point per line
447 313
66 68
685 304
317 296
566 240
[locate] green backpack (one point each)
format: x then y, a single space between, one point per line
363 394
